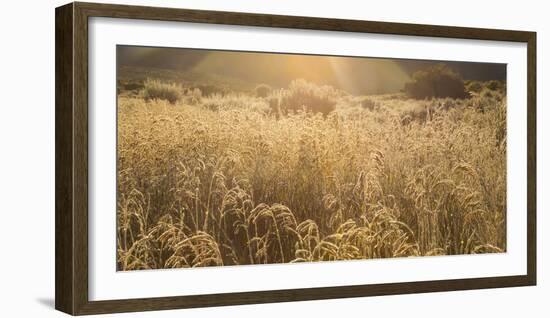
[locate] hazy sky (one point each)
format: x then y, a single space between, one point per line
354 74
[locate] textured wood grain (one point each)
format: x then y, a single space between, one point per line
64 235
72 157
532 158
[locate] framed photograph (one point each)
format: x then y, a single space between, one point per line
211 158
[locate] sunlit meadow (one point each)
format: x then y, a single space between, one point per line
210 174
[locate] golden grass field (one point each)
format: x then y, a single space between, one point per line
306 173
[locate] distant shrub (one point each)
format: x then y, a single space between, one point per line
155 89
415 112
262 90
303 95
436 81
130 85
210 89
447 104
488 99
368 103
133 85
192 96
274 101
473 86
488 93
235 101
495 85
392 97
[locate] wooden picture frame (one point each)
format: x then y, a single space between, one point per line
71 157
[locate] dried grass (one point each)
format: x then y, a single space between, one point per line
225 181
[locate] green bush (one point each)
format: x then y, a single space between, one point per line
436 81
262 90
155 89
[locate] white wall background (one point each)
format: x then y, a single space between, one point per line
27 158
